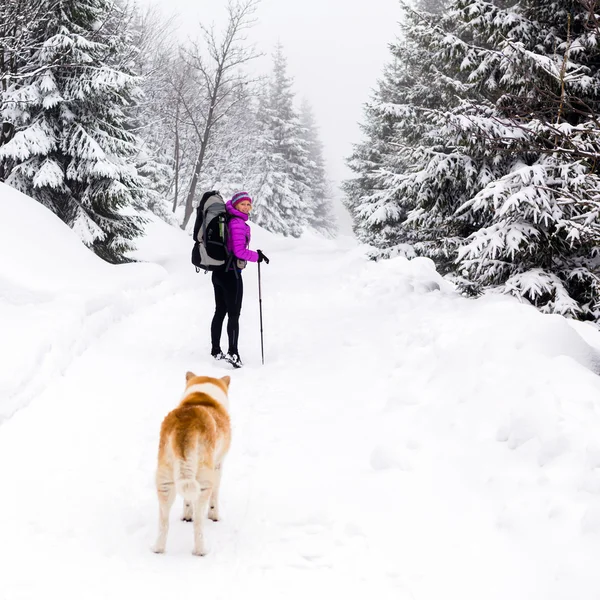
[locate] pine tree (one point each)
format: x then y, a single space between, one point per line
538 219
372 198
71 149
488 164
431 6
403 193
321 216
18 42
282 187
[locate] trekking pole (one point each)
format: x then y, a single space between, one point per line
262 348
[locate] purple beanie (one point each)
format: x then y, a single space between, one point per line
240 197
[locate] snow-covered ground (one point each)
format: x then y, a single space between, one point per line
400 442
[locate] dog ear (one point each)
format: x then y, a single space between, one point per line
227 380
189 375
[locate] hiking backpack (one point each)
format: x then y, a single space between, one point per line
210 234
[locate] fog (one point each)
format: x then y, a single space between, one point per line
336 50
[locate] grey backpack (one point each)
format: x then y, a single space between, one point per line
210 234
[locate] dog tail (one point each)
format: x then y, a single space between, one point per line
190 480
185 469
188 488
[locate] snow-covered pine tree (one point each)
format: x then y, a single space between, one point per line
282 188
538 216
71 149
18 41
321 217
376 207
438 163
493 149
431 6
405 168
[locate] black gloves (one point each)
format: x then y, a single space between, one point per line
262 257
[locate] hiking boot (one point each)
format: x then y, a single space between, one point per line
234 360
218 355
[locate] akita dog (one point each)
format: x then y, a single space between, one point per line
194 439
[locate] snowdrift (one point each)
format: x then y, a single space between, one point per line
46 256
56 296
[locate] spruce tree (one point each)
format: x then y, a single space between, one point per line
431 6
282 188
538 220
18 41
71 149
403 192
372 198
490 161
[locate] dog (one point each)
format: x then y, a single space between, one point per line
194 440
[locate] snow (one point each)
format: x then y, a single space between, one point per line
56 297
400 441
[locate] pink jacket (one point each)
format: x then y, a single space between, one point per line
239 235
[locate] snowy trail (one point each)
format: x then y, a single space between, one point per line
362 462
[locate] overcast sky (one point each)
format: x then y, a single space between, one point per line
336 50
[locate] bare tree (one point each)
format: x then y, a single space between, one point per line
219 77
182 108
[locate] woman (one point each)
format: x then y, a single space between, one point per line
228 284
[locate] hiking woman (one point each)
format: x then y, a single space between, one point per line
228 284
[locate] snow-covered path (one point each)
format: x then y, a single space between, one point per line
400 442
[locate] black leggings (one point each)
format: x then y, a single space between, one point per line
229 290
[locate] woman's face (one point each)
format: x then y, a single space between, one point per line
244 206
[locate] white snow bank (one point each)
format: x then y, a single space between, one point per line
400 276
56 296
42 254
524 329
514 327
162 243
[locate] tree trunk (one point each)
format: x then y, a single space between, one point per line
176 198
189 207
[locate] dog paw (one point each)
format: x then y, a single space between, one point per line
199 552
158 549
213 514
188 513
